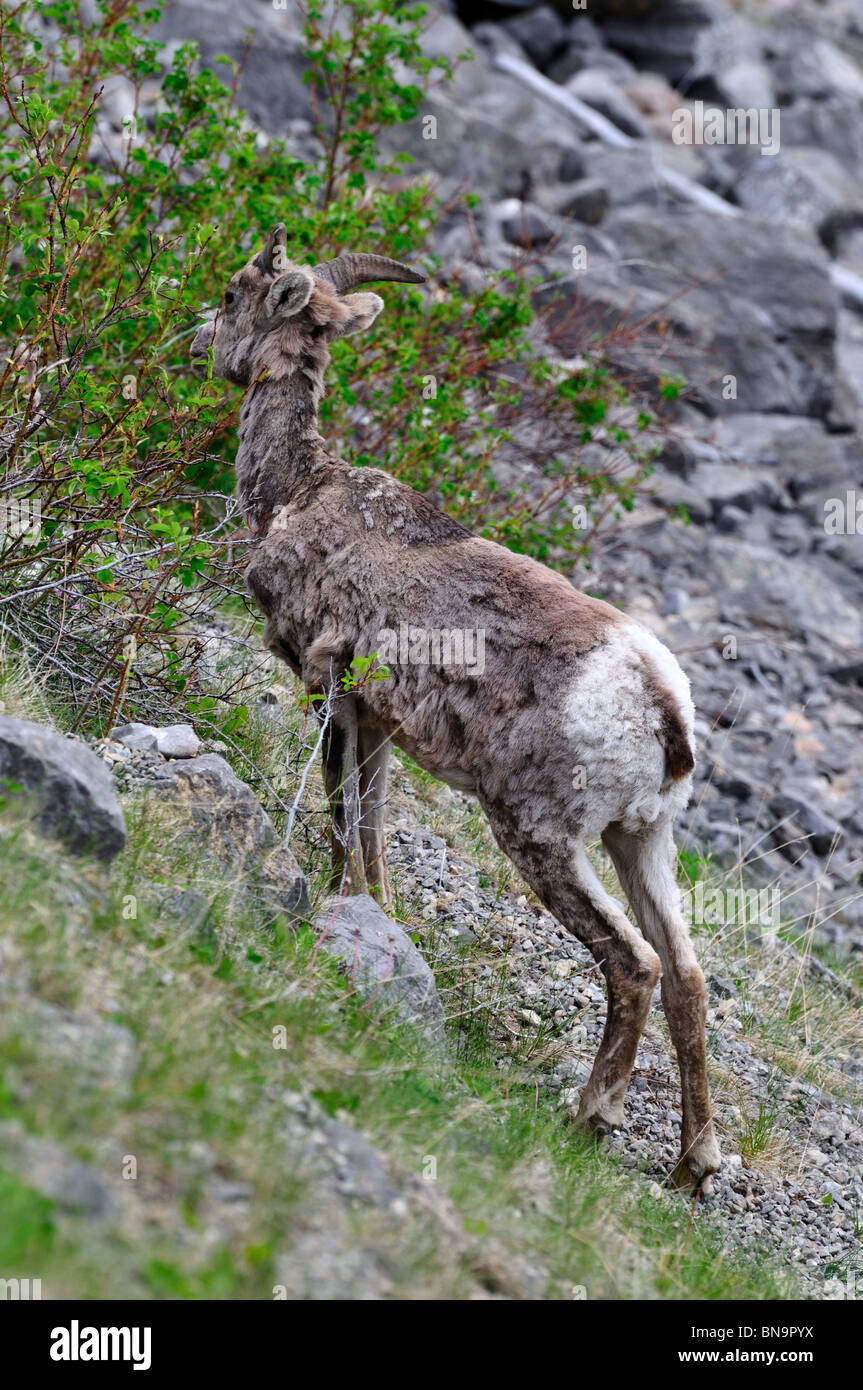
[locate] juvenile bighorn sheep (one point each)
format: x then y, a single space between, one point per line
580 725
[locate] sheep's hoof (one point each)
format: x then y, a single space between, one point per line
694 1172
600 1125
596 1122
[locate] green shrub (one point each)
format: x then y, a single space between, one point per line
121 540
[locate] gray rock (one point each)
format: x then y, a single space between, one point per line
491 134
233 832
540 32
587 201
802 185
630 177
103 1052
746 83
766 591
172 741
797 449
135 735
230 823
851 673
675 601
804 66
835 125
384 964
48 1169
677 456
729 518
177 905
364 1215
821 833
496 39
358 1170
755 304
177 741
725 484
680 497
666 38
71 788
268 54
281 884
576 57
571 166
522 224
723 987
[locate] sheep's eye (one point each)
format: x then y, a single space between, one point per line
229 298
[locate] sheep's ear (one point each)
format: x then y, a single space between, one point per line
275 254
289 294
364 309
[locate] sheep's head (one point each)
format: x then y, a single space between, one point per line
276 316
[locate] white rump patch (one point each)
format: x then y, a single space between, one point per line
613 724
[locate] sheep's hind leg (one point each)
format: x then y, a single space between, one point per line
574 894
645 867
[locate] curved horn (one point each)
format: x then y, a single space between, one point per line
348 271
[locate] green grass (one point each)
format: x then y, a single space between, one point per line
206 1096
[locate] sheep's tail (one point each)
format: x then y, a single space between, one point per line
679 755
674 733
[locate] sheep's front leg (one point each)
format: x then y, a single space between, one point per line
374 756
342 781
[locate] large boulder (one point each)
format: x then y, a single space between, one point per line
266 48
233 834
70 789
541 32
803 185
807 66
745 299
668 38
834 125
764 591
810 461
382 962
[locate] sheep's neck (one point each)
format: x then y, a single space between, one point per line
280 447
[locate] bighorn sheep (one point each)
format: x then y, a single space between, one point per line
579 725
